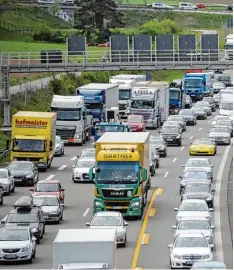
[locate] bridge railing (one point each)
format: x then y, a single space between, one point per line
4 155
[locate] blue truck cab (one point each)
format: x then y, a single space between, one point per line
103 127
197 85
177 99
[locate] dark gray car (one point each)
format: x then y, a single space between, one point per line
189 116
171 135
159 144
211 102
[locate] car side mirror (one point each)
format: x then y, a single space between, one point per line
180 177
34 239
174 227
125 224
87 224
212 166
159 131
77 156
176 209
73 166
183 165
3 221
170 246
213 190
211 210
191 143
31 189
212 227
211 245
62 189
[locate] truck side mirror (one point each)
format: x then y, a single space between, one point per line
51 145
91 174
144 174
97 170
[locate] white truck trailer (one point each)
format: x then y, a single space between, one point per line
75 249
73 123
229 47
226 102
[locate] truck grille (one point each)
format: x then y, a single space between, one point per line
122 107
117 203
11 250
33 159
66 134
122 193
192 257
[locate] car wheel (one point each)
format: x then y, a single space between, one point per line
31 259
34 254
179 144
38 240
125 242
13 189
157 165
1 203
63 152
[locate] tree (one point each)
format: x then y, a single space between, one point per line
55 7
92 14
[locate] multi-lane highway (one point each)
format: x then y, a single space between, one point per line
149 238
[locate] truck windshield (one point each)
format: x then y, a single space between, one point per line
195 82
229 46
121 172
21 145
105 128
143 104
174 94
93 106
226 106
124 94
67 114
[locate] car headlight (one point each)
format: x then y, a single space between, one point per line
120 233
98 204
177 137
77 136
25 248
151 164
176 256
134 204
58 147
29 176
207 256
77 173
55 212
34 230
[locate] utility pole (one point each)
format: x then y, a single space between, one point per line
6 98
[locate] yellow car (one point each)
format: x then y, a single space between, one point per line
203 147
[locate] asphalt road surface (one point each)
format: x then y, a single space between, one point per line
148 239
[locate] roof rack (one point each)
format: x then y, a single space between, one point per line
24 202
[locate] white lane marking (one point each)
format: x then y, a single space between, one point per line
62 167
199 129
218 236
143 239
74 158
86 212
182 148
50 177
174 160
166 174
190 138
209 121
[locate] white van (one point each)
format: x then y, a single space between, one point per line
186 5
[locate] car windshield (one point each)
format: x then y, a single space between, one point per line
87 154
58 139
46 201
197 188
3 174
219 130
193 225
156 141
171 123
192 206
169 129
202 141
106 221
47 187
22 166
134 119
23 145
186 112
198 163
191 242
199 109
14 235
218 85
175 118
208 99
22 218
220 118
85 163
224 123
195 175
109 128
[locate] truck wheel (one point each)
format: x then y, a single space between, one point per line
84 138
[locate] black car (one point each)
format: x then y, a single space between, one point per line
211 102
193 176
200 113
171 135
200 190
227 80
26 214
159 144
189 116
24 172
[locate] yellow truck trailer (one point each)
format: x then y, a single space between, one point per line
33 137
122 176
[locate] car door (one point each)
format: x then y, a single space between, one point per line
10 180
41 222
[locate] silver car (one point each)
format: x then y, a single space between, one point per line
179 119
200 112
193 208
87 153
220 135
59 146
17 244
189 116
205 105
219 117
7 181
105 219
159 144
188 248
52 208
203 163
217 86
225 123
81 169
196 225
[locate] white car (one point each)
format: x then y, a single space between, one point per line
81 169
188 248
219 117
87 153
105 219
200 163
196 225
193 208
160 5
187 6
7 181
17 244
205 105
59 146
221 135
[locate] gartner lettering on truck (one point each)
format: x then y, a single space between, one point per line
30 123
118 156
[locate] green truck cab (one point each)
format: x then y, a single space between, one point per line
122 177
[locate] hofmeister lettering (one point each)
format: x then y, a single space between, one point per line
30 123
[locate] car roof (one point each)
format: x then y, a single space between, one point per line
200 235
209 264
48 182
19 210
193 169
191 159
88 150
86 159
194 201
16 228
199 182
193 218
21 161
108 214
46 195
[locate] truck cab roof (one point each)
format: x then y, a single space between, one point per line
128 138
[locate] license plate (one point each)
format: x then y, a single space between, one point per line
170 140
71 140
189 262
117 207
10 256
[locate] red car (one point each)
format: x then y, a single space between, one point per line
106 44
200 5
136 123
49 187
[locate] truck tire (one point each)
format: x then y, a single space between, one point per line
88 136
84 138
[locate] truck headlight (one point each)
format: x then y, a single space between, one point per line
25 248
98 204
135 204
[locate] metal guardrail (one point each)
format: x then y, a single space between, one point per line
4 154
64 61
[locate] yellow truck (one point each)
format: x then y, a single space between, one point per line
33 137
122 177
